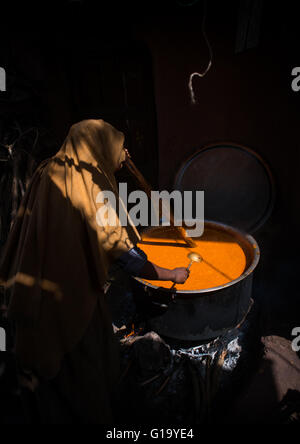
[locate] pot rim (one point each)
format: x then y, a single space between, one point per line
246 273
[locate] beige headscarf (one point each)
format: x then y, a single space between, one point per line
57 257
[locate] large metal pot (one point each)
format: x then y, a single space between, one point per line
202 314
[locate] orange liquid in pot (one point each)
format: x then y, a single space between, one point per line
223 258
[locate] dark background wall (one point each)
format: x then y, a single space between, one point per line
130 64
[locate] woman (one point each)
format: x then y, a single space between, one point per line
56 262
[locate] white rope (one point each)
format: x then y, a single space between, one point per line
199 74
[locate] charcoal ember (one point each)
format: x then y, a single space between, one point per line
151 353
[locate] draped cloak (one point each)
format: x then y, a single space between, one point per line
57 255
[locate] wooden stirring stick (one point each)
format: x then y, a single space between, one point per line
147 188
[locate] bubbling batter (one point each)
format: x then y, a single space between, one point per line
223 257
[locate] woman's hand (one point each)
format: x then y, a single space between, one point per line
152 271
180 275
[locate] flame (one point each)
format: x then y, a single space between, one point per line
131 333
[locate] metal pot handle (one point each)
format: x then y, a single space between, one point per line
164 305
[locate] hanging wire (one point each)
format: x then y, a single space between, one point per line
199 74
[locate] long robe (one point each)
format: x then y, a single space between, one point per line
55 263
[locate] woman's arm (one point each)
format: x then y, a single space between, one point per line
135 262
154 272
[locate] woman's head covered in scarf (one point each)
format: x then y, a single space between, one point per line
96 142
